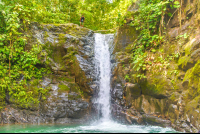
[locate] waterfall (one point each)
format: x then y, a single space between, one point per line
103 68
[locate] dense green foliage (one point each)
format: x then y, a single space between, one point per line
99 14
149 21
18 65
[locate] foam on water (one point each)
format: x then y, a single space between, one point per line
110 126
104 124
97 127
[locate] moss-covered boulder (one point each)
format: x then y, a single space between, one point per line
125 36
192 54
63 93
170 86
132 92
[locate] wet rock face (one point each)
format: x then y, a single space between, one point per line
71 59
67 108
174 100
11 115
118 103
191 52
125 35
133 90
72 56
156 121
60 106
71 44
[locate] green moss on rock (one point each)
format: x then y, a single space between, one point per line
46 35
34 82
63 87
66 79
126 35
183 61
74 97
62 39
2 99
192 109
156 86
193 76
71 51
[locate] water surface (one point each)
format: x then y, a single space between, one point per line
104 123
102 127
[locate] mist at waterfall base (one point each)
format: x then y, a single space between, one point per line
104 124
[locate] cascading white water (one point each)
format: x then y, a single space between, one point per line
106 125
102 63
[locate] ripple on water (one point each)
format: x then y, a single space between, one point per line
96 127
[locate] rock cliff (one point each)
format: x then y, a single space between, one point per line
168 96
68 53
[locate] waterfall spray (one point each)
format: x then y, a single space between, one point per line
102 58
